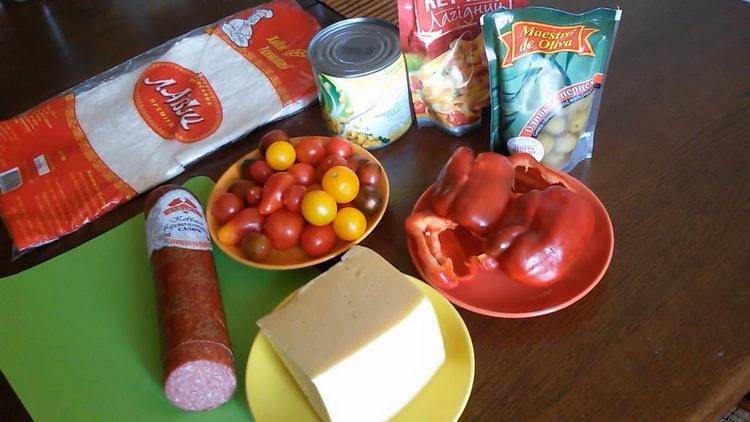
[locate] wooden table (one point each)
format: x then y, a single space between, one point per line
664 336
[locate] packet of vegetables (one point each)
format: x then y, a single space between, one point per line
546 75
442 44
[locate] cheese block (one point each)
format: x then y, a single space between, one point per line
360 339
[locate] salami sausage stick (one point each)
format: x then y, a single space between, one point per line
197 358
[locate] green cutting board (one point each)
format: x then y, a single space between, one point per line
79 339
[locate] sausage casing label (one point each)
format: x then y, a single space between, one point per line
176 220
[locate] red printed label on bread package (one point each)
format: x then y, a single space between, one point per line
177 103
274 38
62 167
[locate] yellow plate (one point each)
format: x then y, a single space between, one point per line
273 395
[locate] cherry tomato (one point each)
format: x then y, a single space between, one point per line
328 162
256 247
245 168
304 173
260 171
253 195
338 145
349 224
341 183
280 155
226 206
317 240
240 187
355 162
246 221
292 197
318 208
270 137
283 229
368 200
314 186
310 151
369 174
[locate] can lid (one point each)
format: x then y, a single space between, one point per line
354 47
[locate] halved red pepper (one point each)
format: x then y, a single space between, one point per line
473 191
530 174
535 239
540 236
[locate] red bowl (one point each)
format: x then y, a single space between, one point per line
495 294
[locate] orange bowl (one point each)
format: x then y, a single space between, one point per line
295 257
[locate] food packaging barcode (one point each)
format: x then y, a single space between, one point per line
10 180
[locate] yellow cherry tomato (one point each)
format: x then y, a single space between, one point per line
341 183
349 224
280 155
318 208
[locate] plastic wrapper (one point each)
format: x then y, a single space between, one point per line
81 154
445 59
547 71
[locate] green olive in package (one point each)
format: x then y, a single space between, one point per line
547 70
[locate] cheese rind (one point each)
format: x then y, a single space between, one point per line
361 340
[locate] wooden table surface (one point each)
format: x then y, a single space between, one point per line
665 335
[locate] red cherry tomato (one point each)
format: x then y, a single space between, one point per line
369 174
283 229
314 186
310 150
355 162
253 195
240 187
260 171
304 173
226 206
256 247
271 137
339 146
245 168
293 197
328 162
246 221
317 240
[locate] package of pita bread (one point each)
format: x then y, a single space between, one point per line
81 154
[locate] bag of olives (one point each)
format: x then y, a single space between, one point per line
546 74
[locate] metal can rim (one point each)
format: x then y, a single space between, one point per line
329 68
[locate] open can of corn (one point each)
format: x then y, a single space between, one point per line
361 78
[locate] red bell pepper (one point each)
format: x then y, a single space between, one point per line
473 191
425 228
535 239
540 236
273 192
530 174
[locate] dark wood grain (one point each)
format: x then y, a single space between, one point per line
665 334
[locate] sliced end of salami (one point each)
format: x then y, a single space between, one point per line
200 385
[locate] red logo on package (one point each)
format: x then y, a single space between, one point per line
177 103
430 26
182 204
528 37
274 38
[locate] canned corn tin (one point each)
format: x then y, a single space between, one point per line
361 79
